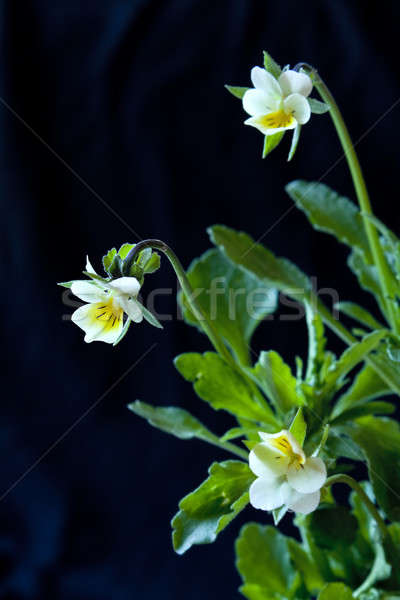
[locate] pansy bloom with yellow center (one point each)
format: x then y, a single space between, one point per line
277 104
285 476
102 318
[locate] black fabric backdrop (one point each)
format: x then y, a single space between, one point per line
114 120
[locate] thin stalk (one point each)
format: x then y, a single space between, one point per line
228 446
360 189
207 326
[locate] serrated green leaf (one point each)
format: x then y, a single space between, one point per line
108 259
223 388
277 381
367 386
358 313
271 142
153 264
379 438
336 591
233 300
125 249
295 142
173 420
263 561
318 107
351 357
237 91
367 275
298 427
253 258
271 65
331 213
370 408
205 512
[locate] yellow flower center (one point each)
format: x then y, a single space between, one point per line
277 119
110 312
284 446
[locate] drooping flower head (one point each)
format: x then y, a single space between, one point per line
111 306
277 104
285 476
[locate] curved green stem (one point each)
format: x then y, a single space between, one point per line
391 552
361 191
186 289
342 478
228 446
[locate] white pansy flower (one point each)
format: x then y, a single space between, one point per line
102 317
277 104
285 476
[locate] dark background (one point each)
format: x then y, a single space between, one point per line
139 135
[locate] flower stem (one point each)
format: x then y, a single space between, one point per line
361 191
342 478
186 288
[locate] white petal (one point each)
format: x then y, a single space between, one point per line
257 102
292 82
89 268
298 106
272 440
266 462
265 494
303 503
126 285
95 329
131 307
307 478
262 80
88 291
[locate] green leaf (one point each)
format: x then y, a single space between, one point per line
306 566
223 388
352 356
263 561
66 284
242 432
173 420
371 408
271 142
316 345
360 314
329 212
233 300
317 107
367 385
123 332
298 428
379 439
211 507
271 65
367 276
336 591
152 264
108 259
277 381
253 258
237 91
125 249
295 142
279 513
